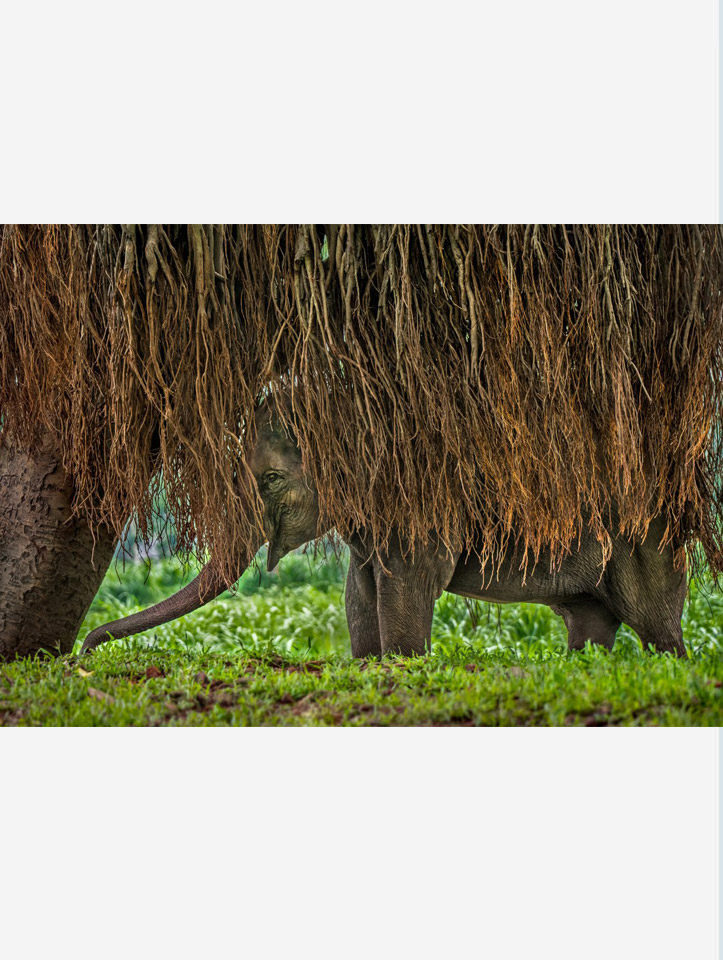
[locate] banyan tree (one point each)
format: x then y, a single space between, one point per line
507 382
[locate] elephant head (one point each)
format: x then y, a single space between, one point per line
291 515
291 507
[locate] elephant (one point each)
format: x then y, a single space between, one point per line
390 595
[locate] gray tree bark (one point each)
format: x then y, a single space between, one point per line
50 565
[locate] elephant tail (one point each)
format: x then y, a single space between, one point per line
205 587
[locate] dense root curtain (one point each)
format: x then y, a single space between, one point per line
499 381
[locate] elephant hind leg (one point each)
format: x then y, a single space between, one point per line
588 619
361 608
663 633
664 641
659 623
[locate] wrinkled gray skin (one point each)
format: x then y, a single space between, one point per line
390 600
291 510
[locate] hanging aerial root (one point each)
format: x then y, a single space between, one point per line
507 383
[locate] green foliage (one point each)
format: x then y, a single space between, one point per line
277 652
132 684
300 609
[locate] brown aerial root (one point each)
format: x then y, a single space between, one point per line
507 383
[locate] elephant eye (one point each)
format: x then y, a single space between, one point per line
271 477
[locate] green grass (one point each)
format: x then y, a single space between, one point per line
278 653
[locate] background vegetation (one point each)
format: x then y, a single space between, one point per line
277 652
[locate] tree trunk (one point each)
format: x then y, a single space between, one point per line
50 566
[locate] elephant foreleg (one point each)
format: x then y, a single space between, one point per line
361 609
406 594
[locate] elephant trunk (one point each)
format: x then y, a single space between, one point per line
203 588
